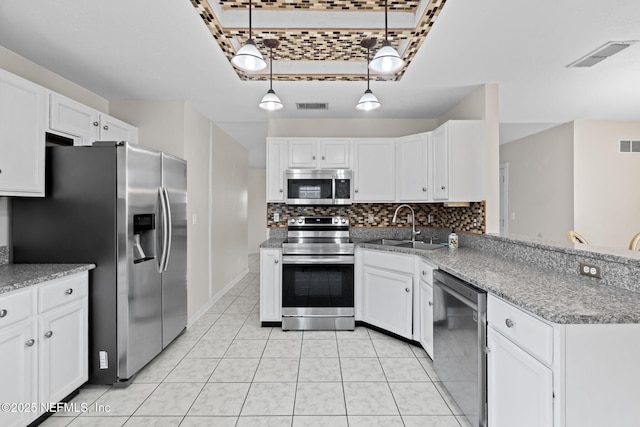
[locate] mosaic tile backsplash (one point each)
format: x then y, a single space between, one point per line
469 219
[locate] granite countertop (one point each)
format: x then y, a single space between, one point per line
18 276
556 297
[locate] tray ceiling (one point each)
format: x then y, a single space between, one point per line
320 39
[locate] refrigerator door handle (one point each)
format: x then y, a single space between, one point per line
165 233
169 228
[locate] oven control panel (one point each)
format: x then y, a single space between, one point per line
329 221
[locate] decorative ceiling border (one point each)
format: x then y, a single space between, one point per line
329 44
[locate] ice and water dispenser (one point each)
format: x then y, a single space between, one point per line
144 226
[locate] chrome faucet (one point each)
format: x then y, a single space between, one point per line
414 233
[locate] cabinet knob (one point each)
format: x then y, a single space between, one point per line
281 190
96 123
356 190
424 189
424 273
3 313
105 127
510 323
407 290
0 170
430 304
313 157
442 188
48 334
30 343
275 261
68 291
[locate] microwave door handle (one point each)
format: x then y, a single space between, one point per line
333 189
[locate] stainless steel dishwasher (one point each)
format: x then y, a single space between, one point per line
460 337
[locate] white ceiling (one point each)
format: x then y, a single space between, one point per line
161 50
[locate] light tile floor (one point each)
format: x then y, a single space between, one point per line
227 370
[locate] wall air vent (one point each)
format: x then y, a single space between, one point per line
601 53
629 146
312 106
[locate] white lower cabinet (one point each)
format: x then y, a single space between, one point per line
387 291
519 387
270 285
426 318
44 333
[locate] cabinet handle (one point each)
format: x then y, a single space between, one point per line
96 123
3 313
30 342
430 304
68 291
424 189
276 261
407 290
105 127
510 323
48 334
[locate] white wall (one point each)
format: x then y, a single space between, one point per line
257 208
349 127
606 183
229 228
540 190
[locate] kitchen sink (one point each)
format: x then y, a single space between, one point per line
405 244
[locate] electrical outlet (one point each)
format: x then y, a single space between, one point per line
372 219
429 219
276 217
408 218
475 222
591 270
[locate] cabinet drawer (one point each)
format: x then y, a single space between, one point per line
425 271
14 307
389 261
533 335
62 291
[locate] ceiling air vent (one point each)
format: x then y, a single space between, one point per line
629 146
601 53
312 105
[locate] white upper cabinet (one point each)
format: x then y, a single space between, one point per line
23 113
457 162
318 153
80 121
413 167
374 170
275 169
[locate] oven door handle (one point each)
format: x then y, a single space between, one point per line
297 259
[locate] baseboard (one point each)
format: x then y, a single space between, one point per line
198 314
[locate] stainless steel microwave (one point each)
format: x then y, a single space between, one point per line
319 187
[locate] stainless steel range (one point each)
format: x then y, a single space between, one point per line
318 274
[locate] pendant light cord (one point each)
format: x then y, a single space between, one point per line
368 50
250 19
270 68
386 26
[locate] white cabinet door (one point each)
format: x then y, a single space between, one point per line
302 153
63 351
112 129
388 298
270 285
374 169
520 388
73 118
412 156
275 169
18 371
22 136
334 153
426 318
440 164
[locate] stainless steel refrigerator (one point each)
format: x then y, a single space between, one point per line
123 207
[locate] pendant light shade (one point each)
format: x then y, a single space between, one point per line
270 100
387 60
368 100
249 58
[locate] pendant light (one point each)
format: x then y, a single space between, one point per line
368 100
249 58
270 100
387 60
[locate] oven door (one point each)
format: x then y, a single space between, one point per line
317 282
